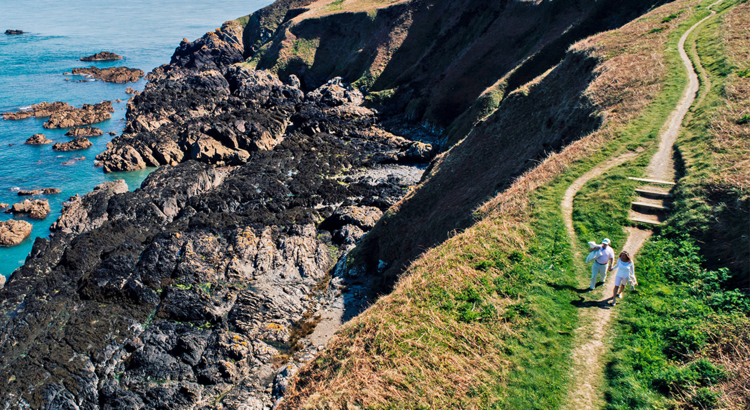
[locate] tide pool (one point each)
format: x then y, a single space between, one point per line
57 35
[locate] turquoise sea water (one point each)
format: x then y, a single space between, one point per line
31 66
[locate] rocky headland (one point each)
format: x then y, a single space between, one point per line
111 74
84 132
12 233
103 56
38 139
75 145
194 289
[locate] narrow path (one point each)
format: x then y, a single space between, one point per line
587 367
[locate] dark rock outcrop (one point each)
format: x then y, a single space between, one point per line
75 117
77 144
13 32
103 56
35 208
193 285
12 233
111 74
38 139
84 132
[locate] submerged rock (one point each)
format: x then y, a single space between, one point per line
84 132
38 139
12 233
103 56
77 144
111 74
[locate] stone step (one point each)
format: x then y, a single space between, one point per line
651 206
650 192
644 220
652 181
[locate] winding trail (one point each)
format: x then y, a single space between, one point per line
587 367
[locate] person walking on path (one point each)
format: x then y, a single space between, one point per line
602 260
625 273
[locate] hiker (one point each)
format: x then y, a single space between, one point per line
602 259
625 273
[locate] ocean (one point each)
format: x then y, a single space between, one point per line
57 35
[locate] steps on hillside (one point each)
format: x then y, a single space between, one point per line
652 181
650 205
652 193
653 202
650 219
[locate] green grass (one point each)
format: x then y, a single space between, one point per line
664 327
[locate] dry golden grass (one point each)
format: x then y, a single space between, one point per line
730 144
404 352
730 347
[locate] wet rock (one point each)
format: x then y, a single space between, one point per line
35 208
88 114
41 110
38 139
13 32
348 235
77 144
50 191
420 152
112 133
3 205
364 217
84 132
111 74
13 232
103 56
32 192
130 90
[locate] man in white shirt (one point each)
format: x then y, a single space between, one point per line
604 257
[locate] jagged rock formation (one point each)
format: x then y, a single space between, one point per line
77 144
103 56
84 132
76 117
111 74
38 139
41 110
12 233
35 208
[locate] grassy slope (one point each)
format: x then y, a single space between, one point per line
683 338
485 319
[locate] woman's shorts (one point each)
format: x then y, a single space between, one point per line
621 280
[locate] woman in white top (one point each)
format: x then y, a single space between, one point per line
625 272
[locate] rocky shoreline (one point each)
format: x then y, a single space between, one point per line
211 283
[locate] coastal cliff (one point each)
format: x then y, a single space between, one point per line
308 155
